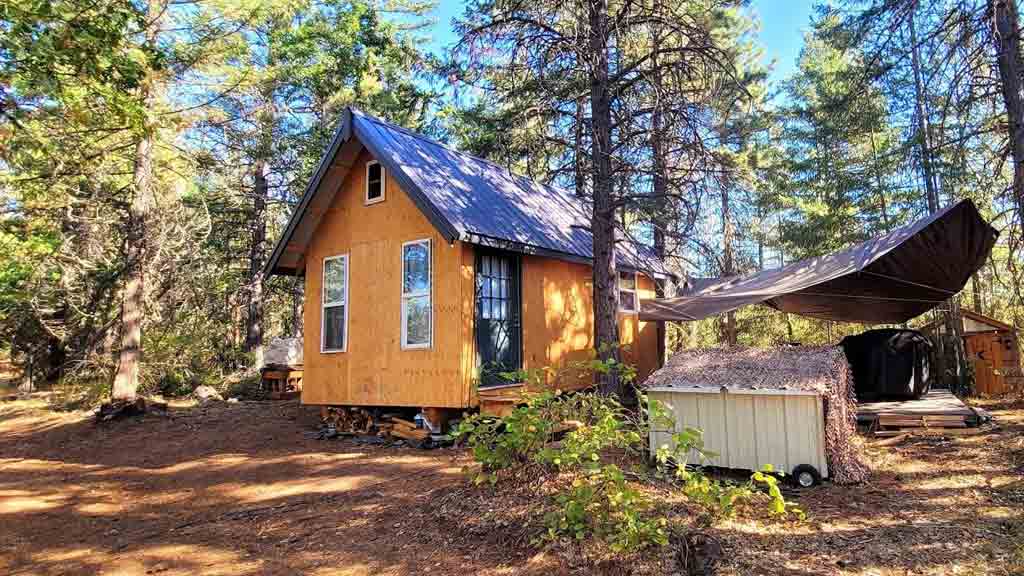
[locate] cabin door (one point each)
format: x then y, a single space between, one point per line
499 329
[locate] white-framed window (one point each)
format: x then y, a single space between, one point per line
627 292
334 305
374 182
417 325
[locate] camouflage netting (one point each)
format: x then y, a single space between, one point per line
823 369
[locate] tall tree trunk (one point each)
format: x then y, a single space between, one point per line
1006 31
606 326
579 167
258 225
126 379
258 236
728 263
298 290
976 293
952 313
878 182
660 184
922 118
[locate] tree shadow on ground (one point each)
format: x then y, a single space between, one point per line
240 489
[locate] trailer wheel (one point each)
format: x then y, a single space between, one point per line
805 476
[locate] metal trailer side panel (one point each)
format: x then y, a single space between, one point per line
749 428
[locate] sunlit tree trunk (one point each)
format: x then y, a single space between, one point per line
258 237
126 379
1006 31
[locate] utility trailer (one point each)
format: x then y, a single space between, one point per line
750 428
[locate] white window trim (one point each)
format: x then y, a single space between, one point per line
324 305
429 294
620 289
366 186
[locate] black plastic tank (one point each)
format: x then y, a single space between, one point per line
889 364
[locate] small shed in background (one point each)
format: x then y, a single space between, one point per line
992 347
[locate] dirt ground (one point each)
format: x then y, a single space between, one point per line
246 489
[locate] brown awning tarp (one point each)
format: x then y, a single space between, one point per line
888 279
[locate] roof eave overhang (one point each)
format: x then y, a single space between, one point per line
512 246
341 135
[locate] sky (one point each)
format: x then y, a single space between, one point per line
783 23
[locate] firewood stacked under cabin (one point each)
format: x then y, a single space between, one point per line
359 421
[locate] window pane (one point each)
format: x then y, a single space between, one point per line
334 280
334 328
373 190
374 170
627 280
374 186
417 323
626 300
417 269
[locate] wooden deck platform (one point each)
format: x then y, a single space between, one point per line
938 409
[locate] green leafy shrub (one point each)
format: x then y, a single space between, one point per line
602 503
245 387
175 384
597 499
778 506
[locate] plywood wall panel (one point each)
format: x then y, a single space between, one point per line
375 370
558 318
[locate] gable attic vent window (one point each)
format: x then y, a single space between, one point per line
416 324
334 315
374 182
627 292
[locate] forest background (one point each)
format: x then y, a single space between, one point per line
151 151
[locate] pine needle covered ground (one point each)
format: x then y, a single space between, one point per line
245 488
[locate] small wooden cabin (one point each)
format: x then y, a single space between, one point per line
992 347
429 271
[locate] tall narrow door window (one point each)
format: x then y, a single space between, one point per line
498 326
334 313
416 316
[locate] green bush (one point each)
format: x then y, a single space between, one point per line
597 499
247 387
601 502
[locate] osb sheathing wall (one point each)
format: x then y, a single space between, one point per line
375 370
558 318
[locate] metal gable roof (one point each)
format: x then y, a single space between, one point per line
474 200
